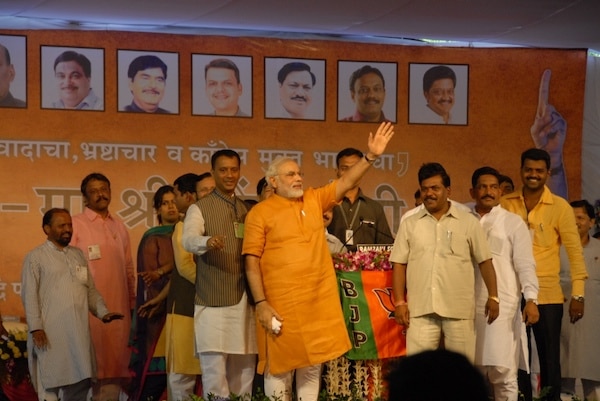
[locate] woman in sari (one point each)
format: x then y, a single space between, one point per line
154 265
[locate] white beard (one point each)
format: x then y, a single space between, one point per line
290 193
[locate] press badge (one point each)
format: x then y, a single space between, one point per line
349 235
94 252
239 229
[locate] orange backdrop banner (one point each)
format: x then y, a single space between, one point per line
45 152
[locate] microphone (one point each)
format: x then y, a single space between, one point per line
372 224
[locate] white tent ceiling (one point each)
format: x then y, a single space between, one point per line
531 23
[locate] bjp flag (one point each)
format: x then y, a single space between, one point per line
368 307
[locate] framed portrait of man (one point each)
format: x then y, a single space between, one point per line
148 82
13 71
72 78
221 85
438 94
295 88
367 91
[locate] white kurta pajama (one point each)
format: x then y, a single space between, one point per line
57 292
500 346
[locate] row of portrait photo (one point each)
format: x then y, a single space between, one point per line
222 85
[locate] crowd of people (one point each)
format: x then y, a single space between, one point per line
227 289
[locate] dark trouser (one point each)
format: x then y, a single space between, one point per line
547 339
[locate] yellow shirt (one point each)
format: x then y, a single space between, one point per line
551 223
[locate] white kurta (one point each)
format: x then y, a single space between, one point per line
580 349
57 292
504 341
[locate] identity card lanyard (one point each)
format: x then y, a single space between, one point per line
238 226
349 232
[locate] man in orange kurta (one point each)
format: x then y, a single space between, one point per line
291 275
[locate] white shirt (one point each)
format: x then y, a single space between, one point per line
512 255
193 238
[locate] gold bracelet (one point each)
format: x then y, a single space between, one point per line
495 299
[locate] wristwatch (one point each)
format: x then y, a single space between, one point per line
534 300
370 161
578 298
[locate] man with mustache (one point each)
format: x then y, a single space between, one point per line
147 81
291 275
367 89
551 223
58 294
434 256
213 230
73 73
500 345
105 242
296 82
438 88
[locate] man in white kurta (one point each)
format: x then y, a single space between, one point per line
57 292
499 345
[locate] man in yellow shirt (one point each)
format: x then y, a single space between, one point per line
551 223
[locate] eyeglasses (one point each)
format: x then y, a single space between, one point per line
292 174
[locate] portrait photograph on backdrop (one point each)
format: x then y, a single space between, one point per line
295 88
438 94
367 91
221 85
148 82
72 78
13 71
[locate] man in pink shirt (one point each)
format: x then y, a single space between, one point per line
105 242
